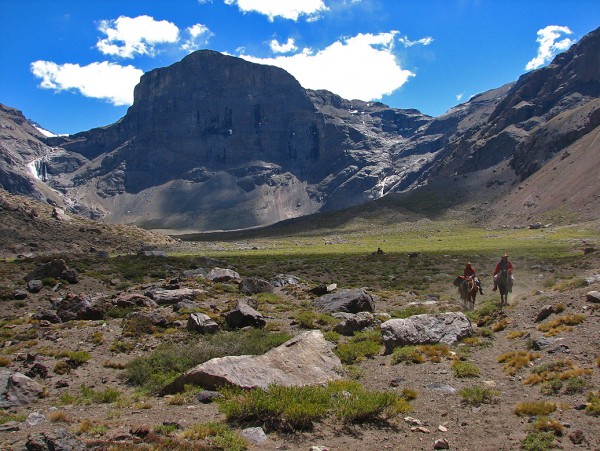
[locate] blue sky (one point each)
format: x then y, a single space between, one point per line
71 65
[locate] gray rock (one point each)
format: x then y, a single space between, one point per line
208 396
17 390
223 275
445 328
47 315
185 305
441 388
281 280
254 285
356 322
35 418
58 440
593 296
81 307
539 343
544 313
170 297
35 286
254 435
60 215
154 318
306 359
56 268
441 443
199 322
350 301
244 315
193 273
20 295
323 289
134 300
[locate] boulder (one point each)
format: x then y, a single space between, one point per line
544 313
60 215
223 275
199 322
254 285
56 268
244 315
193 273
353 322
350 301
58 440
306 359
81 307
154 318
19 295
445 328
47 315
593 296
17 390
322 289
35 285
133 300
170 297
281 280
185 305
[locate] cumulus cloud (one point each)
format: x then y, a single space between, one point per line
128 36
289 46
105 80
199 35
360 67
286 9
550 45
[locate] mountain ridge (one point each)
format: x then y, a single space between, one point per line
216 142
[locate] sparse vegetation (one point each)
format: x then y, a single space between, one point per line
298 408
560 324
535 408
514 361
539 441
465 369
477 395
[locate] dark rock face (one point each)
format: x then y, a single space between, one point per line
349 301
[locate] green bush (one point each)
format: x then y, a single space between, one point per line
477 395
356 351
106 396
220 435
297 408
465 369
408 355
539 441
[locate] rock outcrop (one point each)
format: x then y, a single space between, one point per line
424 329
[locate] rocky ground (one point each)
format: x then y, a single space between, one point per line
105 288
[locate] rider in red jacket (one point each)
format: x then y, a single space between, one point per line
503 264
468 272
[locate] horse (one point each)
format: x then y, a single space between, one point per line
504 286
468 291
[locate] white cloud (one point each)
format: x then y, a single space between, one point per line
408 43
199 35
127 36
289 46
359 67
549 45
108 81
286 9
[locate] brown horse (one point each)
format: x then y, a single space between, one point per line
504 286
468 291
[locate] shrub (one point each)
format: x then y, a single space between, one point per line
355 351
560 324
220 435
593 404
477 395
76 358
538 441
500 325
121 346
514 361
58 416
307 319
465 369
5 361
515 334
408 355
297 408
534 408
5 417
546 424
91 396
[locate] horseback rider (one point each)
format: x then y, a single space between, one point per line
503 265
469 272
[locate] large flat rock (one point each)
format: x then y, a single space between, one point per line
306 359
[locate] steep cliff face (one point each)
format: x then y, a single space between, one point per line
234 144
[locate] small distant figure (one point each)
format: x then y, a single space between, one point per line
379 251
504 267
469 272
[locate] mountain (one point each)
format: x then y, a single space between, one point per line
214 142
